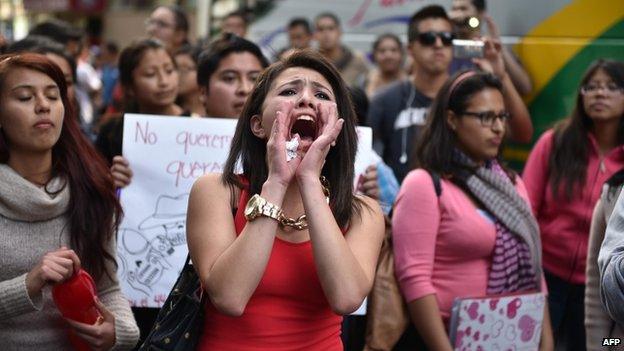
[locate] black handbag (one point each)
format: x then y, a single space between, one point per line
180 321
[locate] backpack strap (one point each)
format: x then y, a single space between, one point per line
435 178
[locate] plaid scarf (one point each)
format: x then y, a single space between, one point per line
517 258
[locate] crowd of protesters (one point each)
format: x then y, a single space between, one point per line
462 223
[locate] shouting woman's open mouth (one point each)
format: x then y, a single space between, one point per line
305 126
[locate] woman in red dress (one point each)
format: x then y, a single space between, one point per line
277 280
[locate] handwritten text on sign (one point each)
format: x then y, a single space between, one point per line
187 141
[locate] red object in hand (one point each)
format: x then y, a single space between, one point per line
75 299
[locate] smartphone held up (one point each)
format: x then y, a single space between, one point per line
468 49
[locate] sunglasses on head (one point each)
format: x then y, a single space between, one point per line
429 38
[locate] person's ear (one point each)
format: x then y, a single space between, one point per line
451 120
257 128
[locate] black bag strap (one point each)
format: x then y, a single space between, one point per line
435 178
437 185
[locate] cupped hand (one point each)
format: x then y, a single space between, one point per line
280 169
330 127
492 60
54 267
101 335
121 172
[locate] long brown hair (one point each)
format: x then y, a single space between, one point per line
570 152
93 211
339 163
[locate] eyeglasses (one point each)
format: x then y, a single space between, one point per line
429 38
487 118
610 88
158 23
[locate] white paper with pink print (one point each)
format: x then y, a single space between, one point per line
499 323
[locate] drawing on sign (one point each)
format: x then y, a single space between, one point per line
145 252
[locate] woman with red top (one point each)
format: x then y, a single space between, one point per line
564 176
470 233
277 280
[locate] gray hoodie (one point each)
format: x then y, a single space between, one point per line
611 257
598 323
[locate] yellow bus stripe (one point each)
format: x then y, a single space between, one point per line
552 43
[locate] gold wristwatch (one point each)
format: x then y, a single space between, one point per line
259 206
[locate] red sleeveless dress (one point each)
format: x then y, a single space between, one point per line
288 310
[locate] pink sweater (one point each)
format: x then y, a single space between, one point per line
444 245
564 224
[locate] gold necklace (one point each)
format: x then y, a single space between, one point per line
301 222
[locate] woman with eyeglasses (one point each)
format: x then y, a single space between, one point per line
475 233
397 114
564 175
